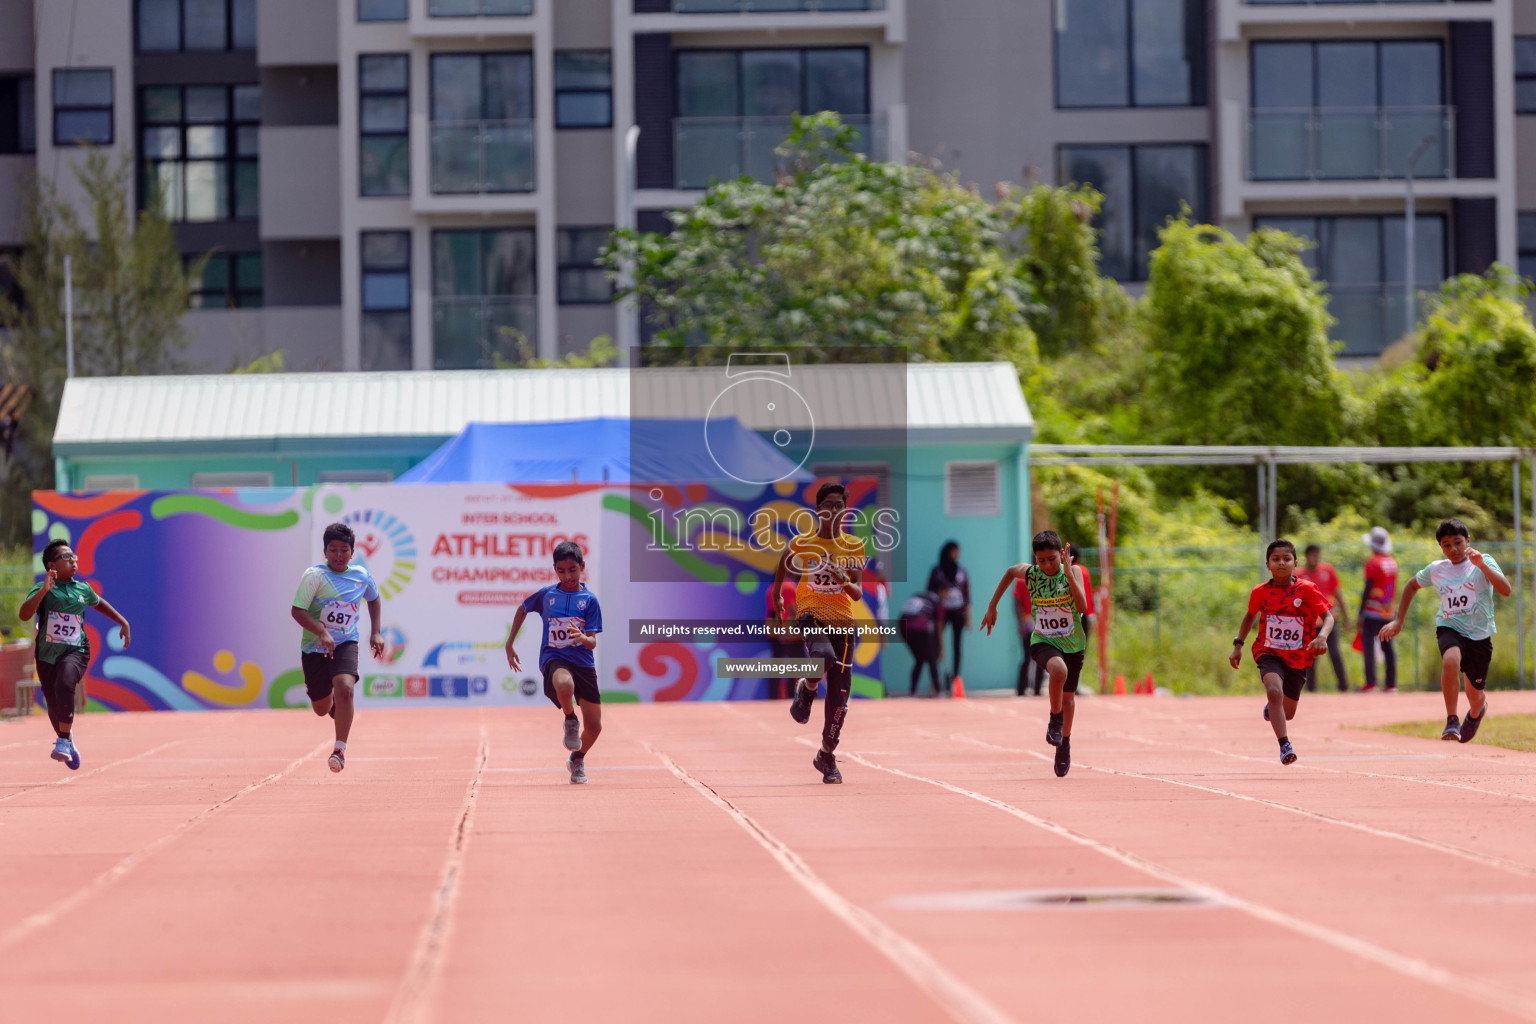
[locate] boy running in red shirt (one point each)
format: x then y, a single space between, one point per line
1287 609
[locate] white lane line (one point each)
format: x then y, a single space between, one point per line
413 1000
958 999
1486 860
43 918
73 776
1478 990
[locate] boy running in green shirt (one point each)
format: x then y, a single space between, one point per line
1465 581
63 650
1058 643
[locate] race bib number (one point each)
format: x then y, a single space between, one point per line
1283 632
825 580
565 630
1456 602
64 628
1055 621
339 616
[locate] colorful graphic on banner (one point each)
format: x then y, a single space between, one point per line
207 578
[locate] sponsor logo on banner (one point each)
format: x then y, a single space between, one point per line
386 548
525 686
463 654
415 686
448 686
479 685
394 643
383 686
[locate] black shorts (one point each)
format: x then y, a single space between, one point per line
319 670
586 682
1041 653
1475 654
1292 680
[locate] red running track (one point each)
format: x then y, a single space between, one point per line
208 867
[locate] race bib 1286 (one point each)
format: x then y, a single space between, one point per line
1283 632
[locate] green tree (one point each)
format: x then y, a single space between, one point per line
130 293
1058 252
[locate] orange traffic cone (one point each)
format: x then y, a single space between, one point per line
1119 686
958 689
1151 686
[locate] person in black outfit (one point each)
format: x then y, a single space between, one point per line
922 627
950 581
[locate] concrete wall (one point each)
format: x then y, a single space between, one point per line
299 31
300 182
16 40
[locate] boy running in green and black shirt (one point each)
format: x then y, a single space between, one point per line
63 649
1058 643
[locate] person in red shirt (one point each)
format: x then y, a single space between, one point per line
1288 611
1326 579
1031 674
1377 606
783 638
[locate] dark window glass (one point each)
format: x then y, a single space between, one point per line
581 280
229 280
386 327
1282 75
508 89
1346 75
381 10
584 89
707 84
1130 53
1525 74
18 116
383 122
770 82
82 107
204 24
159 25
199 144
1527 242
1411 74
483 307
456 87
482 87
837 80
1143 186
242 25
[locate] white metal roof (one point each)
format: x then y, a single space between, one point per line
943 401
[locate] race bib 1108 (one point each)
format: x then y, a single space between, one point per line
1283 632
1054 621
64 628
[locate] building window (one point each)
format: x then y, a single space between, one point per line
1525 74
232 479
482 123
384 121
110 482
381 10
200 145
18 115
584 89
355 476
582 281
483 298
1348 109
202 25
972 489
1526 232
1361 258
478 8
735 106
386 334
1143 186
82 107
228 281
1130 53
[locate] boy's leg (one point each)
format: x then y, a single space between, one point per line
1369 627
839 689
1450 677
1274 689
1474 666
591 724
60 708
342 695
1312 678
1389 655
1059 725
565 689
1337 658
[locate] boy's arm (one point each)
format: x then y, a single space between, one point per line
1075 582
116 616
1010 574
1320 642
1395 627
311 624
1495 576
1242 635
376 617
517 624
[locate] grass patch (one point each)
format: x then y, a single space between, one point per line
1516 732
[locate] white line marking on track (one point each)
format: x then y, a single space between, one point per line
72 776
412 1001
1478 990
958 999
1486 860
43 918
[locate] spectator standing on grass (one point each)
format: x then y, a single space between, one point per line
1323 576
1376 606
949 580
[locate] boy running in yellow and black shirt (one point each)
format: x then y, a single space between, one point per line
1059 642
830 564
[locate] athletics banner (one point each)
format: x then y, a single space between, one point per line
207 578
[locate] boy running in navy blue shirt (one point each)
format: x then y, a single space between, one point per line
572 621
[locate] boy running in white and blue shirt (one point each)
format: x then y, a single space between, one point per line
1465 580
572 620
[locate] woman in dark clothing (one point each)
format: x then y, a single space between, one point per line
922 627
950 581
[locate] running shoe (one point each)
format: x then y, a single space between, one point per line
1390 689
1452 729
577 766
1053 731
1064 757
800 707
337 760
1266 711
1470 726
572 733
73 764
1287 753
827 765
1368 688
60 749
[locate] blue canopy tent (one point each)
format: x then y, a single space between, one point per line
606 450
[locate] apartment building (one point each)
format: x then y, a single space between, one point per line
424 184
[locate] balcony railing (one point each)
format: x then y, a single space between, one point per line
481 332
758 6
724 148
482 156
1333 143
1370 316
478 8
